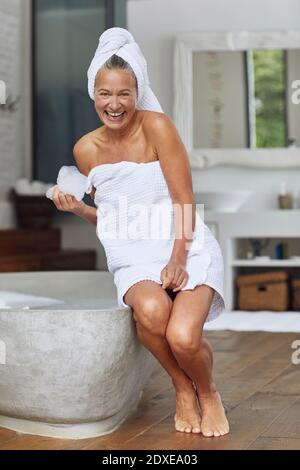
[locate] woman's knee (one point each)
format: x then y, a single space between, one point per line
152 314
184 340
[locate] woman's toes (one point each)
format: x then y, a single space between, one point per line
188 429
207 432
196 430
226 430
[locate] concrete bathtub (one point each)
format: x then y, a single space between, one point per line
72 370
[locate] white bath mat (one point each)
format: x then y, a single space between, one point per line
9 299
281 322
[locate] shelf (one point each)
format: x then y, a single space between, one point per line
270 263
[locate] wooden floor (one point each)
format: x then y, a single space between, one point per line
260 388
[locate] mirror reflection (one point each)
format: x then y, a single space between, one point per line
242 99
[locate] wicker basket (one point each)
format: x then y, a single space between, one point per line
296 294
263 291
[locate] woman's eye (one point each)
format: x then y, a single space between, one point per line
105 95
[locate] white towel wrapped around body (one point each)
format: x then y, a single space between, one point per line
131 260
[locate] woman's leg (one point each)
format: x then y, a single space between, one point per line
194 354
151 310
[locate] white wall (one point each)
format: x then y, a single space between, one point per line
10 121
154 24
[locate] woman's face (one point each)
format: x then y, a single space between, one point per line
115 98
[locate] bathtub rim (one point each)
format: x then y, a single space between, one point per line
73 310
62 273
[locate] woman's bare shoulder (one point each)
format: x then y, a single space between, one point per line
154 120
156 124
85 151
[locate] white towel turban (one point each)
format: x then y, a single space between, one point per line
119 41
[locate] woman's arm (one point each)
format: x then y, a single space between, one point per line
84 151
87 213
176 168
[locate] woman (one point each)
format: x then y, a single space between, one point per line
173 285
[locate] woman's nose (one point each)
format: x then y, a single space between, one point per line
114 103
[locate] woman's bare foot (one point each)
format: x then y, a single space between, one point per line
187 417
214 421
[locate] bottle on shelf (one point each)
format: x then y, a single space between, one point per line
284 198
282 250
296 199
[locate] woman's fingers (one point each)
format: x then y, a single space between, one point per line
55 190
174 277
166 278
69 199
55 198
171 276
183 283
72 202
179 282
64 202
177 276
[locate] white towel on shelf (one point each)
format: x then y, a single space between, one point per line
119 41
71 181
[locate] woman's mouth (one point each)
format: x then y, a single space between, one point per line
114 116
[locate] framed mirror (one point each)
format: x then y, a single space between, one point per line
236 100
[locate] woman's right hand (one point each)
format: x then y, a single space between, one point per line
66 202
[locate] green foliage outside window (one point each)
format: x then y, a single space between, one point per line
269 67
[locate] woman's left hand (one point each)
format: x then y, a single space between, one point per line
174 276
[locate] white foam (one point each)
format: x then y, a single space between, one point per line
10 299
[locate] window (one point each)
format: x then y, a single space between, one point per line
65 37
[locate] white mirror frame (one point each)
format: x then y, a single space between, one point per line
185 45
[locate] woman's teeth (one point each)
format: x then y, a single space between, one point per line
114 115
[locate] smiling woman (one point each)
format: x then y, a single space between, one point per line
115 92
171 275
